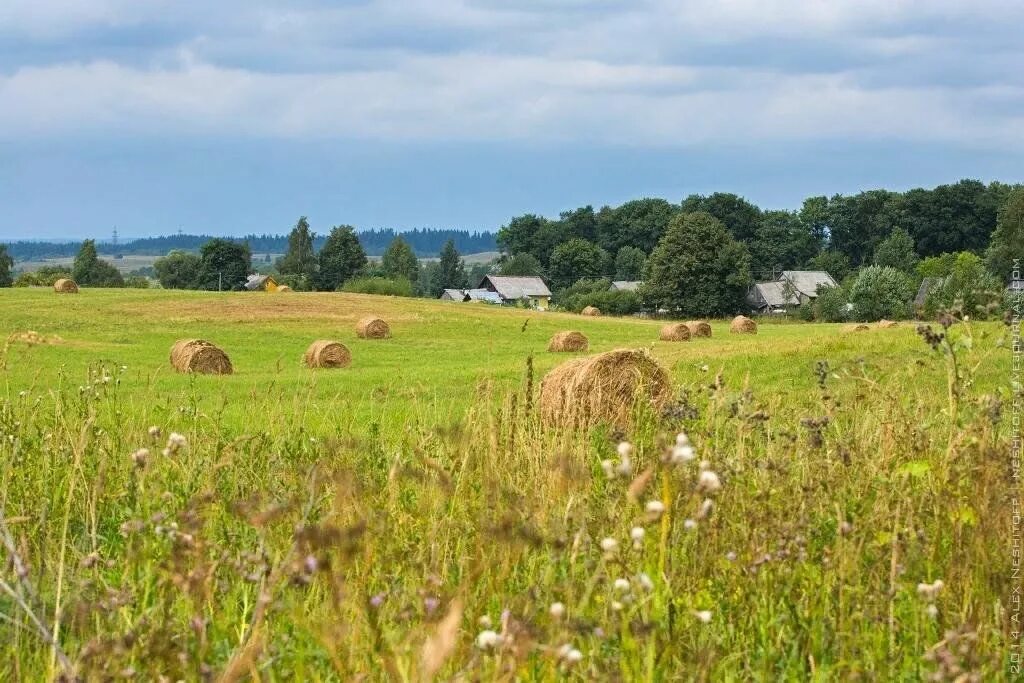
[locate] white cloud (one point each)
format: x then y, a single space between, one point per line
647 72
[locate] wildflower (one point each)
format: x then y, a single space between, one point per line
175 442
557 610
655 507
684 453
690 524
932 611
573 656
709 481
682 439
621 585
731 556
140 457
930 590
487 639
430 603
377 600
154 432
609 468
609 545
625 449
645 581
637 533
705 508
845 528
703 616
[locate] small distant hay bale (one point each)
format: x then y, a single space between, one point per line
603 388
32 338
570 340
591 310
699 328
284 288
886 324
198 355
324 353
372 327
858 328
741 324
65 285
675 332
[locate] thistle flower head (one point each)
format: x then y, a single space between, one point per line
655 507
682 439
609 545
709 481
625 449
621 585
557 610
703 616
637 533
487 640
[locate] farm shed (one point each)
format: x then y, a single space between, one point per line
765 297
261 283
515 289
483 295
625 286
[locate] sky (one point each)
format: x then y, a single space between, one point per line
238 116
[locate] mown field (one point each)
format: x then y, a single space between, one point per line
382 520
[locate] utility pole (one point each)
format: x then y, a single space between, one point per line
220 278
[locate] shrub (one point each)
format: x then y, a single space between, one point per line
379 285
595 292
44 277
881 292
831 305
136 282
968 286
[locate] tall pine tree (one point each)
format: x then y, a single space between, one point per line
450 272
299 260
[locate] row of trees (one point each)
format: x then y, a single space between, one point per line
700 256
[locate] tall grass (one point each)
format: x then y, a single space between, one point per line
856 531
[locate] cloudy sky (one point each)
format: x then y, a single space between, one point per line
237 116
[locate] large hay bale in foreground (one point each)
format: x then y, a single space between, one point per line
675 332
699 328
324 353
741 324
570 340
885 324
372 327
198 355
606 387
65 286
591 310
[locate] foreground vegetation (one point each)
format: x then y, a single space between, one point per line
842 514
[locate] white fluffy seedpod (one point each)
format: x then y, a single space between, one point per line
645 582
557 610
573 656
609 468
705 508
609 545
931 610
690 524
621 585
487 640
637 533
655 507
683 454
682 439
709 481
625 449
703 616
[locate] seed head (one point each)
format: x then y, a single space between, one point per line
709 481
682 439
609 545
637 533
625 449
703 616
645 581
557 610
682 454
621 585
487 640
705 508
690 524
655 507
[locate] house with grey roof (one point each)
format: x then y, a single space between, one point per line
466 295
806 282
625 286
515 289
767 297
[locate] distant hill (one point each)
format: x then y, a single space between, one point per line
425 243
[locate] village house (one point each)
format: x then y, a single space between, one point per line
625 286
793 288
513 290
261 283
466 295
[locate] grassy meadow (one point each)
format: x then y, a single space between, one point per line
410 517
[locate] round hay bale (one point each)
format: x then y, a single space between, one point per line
699 328
591 310
570 340
284 288
675 332
603 388
372 327
858 328
741 324
885 324
324 353
198 355
65 286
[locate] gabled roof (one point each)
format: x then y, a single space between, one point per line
625 285
255 281
774 294
512 288
807 281
483 295
453 294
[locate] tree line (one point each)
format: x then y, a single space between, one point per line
424 242
700 256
